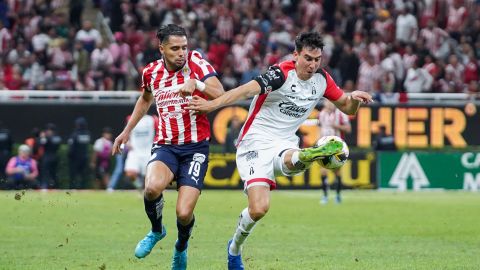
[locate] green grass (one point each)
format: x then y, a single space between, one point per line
370 230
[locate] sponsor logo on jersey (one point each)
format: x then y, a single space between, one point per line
291 109
172 115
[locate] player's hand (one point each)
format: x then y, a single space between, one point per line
187 89
120 142
362 96
199 105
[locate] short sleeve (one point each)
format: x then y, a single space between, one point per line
271 80
146 75
201 67
332 92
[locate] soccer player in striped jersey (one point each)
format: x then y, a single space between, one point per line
181 150
284 97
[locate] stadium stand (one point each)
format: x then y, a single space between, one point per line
393 46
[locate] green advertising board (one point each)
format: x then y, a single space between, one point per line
429 170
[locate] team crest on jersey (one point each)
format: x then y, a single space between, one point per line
185 71
199 157
251 155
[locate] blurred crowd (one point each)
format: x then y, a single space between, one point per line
386 47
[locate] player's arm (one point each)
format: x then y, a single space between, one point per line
141 107
262 84
200 105
213 87
349 103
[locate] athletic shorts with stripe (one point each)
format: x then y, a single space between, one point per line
258 162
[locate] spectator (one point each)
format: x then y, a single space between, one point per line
384 141
81 67
435 39
89 36
228 80
76 10
348 64
406 27
369 75
102 61
78 144
21 170
417 80
100 161
234 128
120 52
454 74
34 74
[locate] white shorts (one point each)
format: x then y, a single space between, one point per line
258 162
137 162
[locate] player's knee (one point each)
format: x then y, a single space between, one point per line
184 215
258 211
152 190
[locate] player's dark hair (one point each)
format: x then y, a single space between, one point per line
168 30
308 39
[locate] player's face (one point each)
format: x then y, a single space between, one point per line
174 51
307 62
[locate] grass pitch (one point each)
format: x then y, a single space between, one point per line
369 230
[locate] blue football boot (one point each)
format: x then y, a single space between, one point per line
179 260
145 246
234 262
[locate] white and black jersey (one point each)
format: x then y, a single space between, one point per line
285 101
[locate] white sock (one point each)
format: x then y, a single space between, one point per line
295 158
244 228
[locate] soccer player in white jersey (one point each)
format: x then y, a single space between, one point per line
333 122
181 150
267 146
139 147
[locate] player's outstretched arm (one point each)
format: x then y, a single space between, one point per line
211 87
349 103
141 107
200 105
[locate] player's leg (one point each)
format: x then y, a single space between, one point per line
159 176
324 177
258 206
187 199
191 173
338 181
256 168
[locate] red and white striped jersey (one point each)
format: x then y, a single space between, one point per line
328 119
177 125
